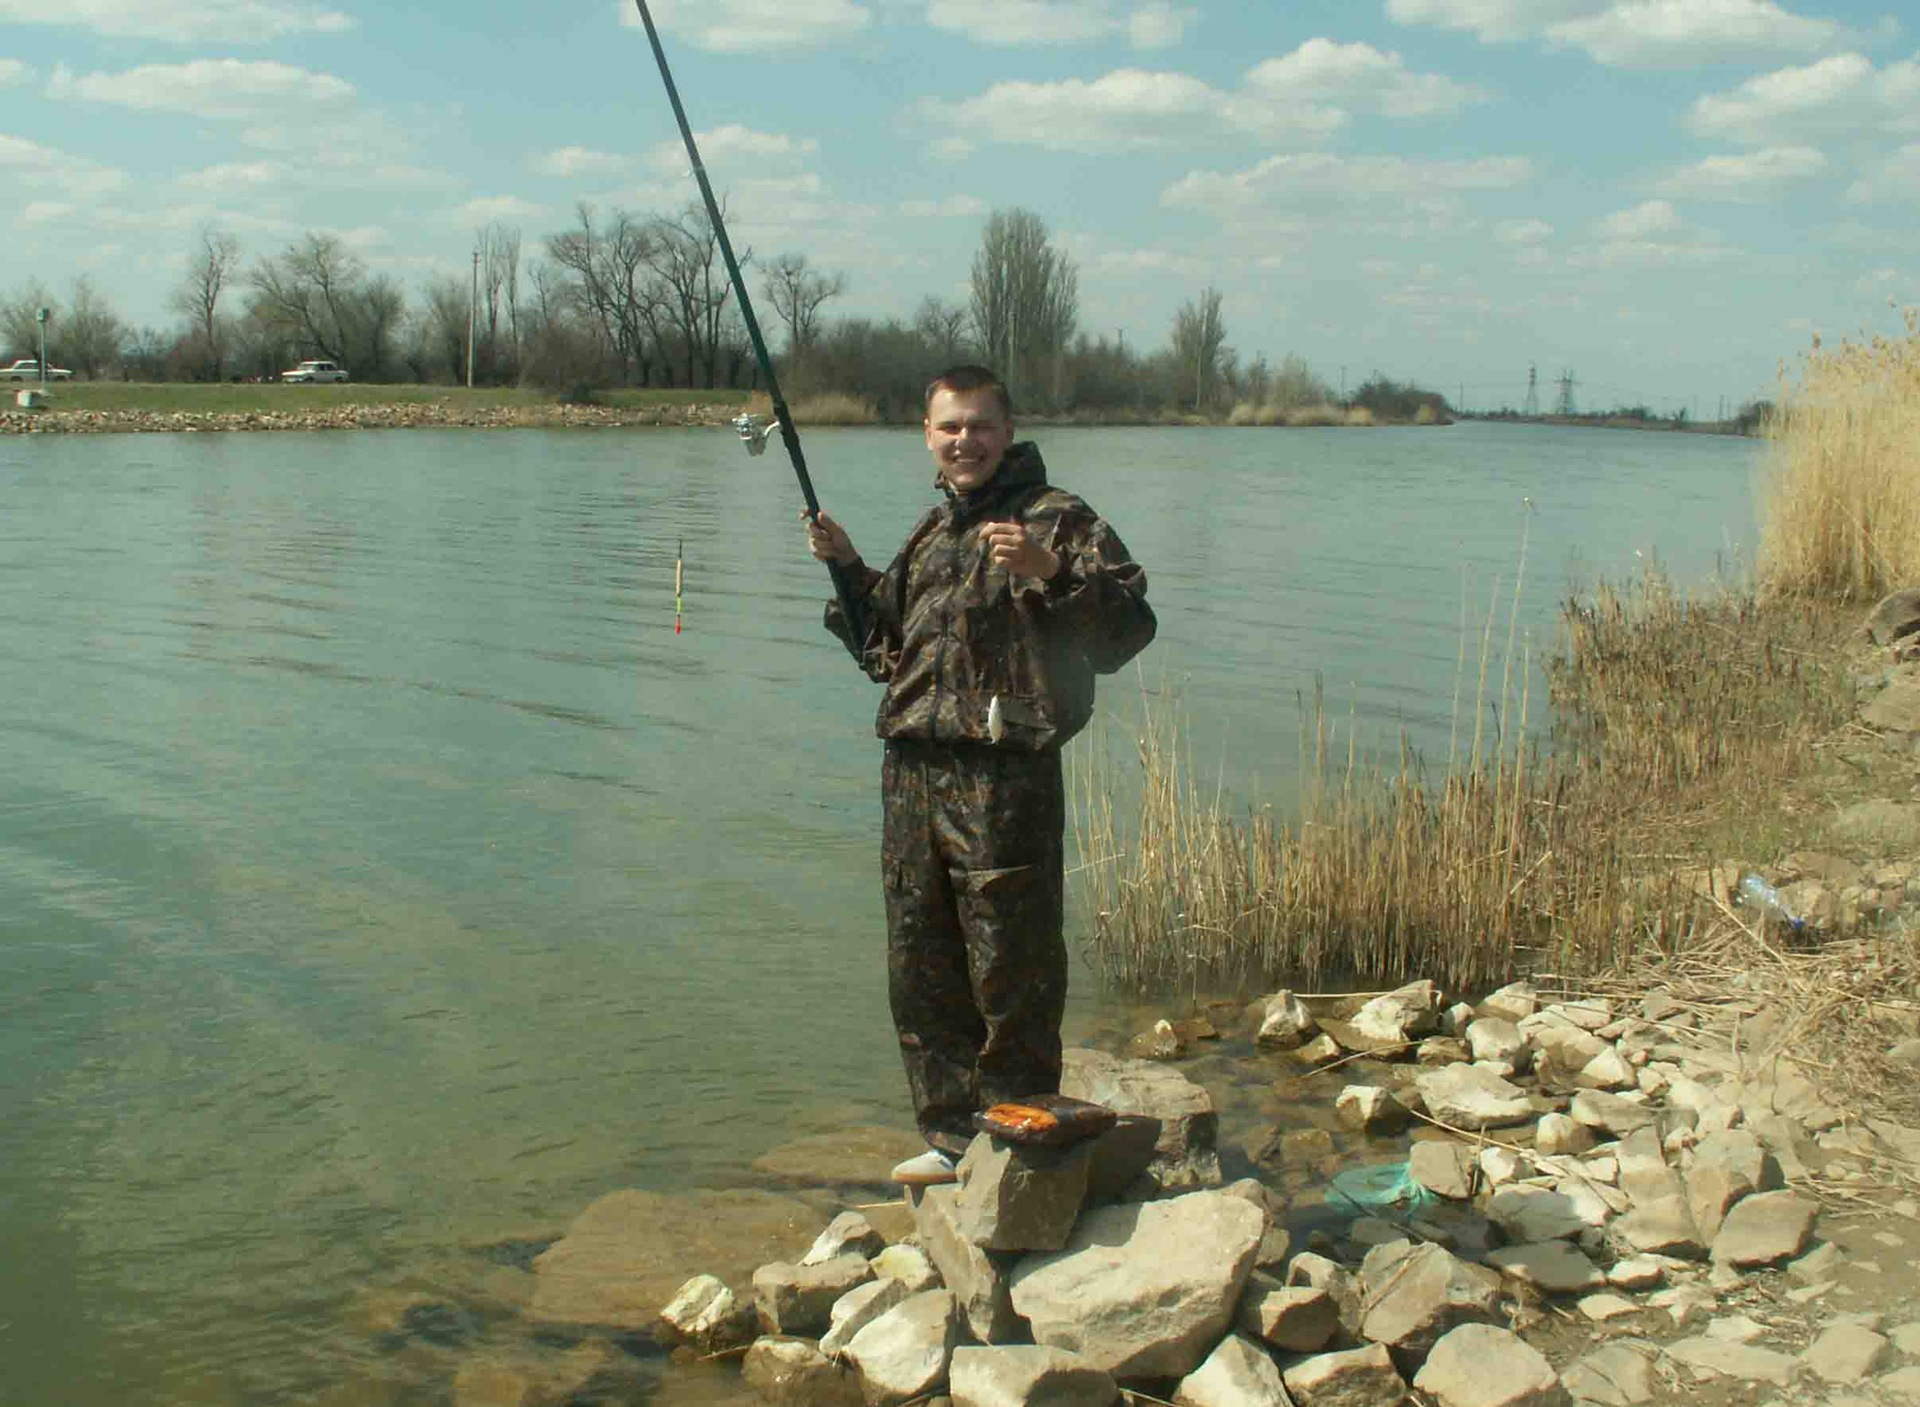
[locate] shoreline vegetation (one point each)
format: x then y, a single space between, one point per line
1695 741
114 407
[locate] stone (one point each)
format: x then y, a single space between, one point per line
1317 1272
907 1264
978 1278
1514 1002
858 1308
1405 1014
628 1253
1553 1266
1359 1377
1444 1168
1236 1374
595 1371
1559 1135
1613 1375
1492 1038
848 1233
1764 1229
1026 1375
1601 1308
1608 1070
1905 1054
1532 1214
1481 1365
1370 1110
1906 1338
860 1156
1468 1097
707 1315
1500 1166
903 1354
1159 1042
1321 1050
1725 1168
1445 1050
1294 1148
1186 1150
1733 1360
1293 1318
1285 1022
798 1299
1847 1353
1456 1018
1894 616
1637 1273
1588 1014
1369 1231
1015 1198
1613 1113
1736 1328
1643 1171
791 1372
1118 1159
1413 1301
1143 1290
1663 1226
1903 1384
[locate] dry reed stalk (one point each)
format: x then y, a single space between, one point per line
1842 511
1514 860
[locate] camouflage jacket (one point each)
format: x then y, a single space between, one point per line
948 632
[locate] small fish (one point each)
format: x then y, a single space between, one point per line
996 720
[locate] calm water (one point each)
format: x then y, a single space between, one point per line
379 872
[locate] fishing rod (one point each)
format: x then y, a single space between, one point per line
750 430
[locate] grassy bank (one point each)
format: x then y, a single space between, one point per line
1689 736
222 398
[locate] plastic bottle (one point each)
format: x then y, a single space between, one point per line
1758 894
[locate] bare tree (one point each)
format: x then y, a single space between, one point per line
93 333
317 298
1199 348
499 249
797 292
606 272
20 322
944 328
1025 298
210 268
686 260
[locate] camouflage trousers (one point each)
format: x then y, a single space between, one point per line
976 963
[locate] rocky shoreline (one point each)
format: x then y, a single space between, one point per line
1592 1201
400 415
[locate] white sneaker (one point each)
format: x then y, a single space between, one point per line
929 1169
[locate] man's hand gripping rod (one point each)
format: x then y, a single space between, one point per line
753 435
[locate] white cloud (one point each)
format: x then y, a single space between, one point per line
1523 233
1636 33
1839 96
13 71
1311 92
1895 178
486 209
1023 23
954 207
746 26
1757 175
33 167
1318 179
1681 33
726 150
46 212
238 177
567 162
1356 78
224 21
210 88
1652 232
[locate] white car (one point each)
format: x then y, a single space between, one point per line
315 371
28 369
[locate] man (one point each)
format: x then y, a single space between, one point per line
987 630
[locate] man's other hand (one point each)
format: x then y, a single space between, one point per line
827 540
1010 547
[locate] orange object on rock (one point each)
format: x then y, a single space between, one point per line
1046 1120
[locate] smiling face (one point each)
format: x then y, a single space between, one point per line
968 433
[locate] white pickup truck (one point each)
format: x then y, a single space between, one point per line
315 372
28 369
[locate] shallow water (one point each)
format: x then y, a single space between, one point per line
379 873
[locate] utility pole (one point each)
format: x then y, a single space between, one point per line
473 315
42 318
1532 408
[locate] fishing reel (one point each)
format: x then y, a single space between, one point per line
753 432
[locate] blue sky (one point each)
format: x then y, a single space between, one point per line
1666 197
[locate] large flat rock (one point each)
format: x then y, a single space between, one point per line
628 1253
1143 1290
862 1155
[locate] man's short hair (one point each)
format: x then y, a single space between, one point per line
965 380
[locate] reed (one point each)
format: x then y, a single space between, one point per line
1574 858
1841 512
